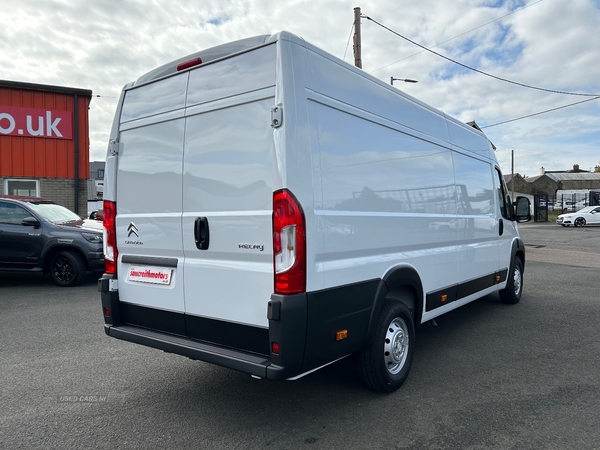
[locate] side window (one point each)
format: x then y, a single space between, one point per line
11 214
502 196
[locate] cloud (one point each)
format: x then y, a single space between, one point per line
104 44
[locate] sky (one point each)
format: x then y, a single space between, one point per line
550 44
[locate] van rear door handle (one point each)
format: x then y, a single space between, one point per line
501 227
201 233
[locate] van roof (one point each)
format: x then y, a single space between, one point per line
209 54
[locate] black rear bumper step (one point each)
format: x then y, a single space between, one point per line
232 359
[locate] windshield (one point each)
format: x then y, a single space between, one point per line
586 209
53 212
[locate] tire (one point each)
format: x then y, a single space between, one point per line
511 294
579 222
384 366
67 269
565 225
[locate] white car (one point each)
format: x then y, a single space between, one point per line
586 216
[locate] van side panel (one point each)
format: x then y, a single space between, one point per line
385 201
352 86
477 224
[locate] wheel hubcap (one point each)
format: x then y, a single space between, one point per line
517 281
395 348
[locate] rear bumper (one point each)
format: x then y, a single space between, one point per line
232 359
303 325
171 333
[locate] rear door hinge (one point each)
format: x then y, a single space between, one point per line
114 147
277 116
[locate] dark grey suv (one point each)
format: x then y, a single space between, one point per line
39 235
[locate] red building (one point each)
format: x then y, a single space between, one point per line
44 142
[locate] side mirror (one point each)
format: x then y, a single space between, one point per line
522 210
30 222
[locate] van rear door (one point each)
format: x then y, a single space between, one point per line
228 176
149 199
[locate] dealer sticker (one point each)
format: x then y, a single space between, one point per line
150 274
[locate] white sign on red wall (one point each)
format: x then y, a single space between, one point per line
35 122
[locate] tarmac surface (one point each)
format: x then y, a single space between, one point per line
489 376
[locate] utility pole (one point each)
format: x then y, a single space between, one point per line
356 46
512 177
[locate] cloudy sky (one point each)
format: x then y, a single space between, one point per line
551 44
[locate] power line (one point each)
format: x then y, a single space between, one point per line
350 37
542 112
459 35
477 70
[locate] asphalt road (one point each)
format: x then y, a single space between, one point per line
489 376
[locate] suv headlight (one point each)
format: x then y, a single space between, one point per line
93 237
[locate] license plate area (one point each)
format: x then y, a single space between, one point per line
150 275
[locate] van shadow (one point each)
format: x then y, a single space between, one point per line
236 404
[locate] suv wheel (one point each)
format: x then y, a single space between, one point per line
67 269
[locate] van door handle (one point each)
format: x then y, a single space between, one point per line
501 227
201 233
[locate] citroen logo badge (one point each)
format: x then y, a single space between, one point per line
132 229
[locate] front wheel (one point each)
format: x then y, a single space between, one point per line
67 269
511 294
384 366
579 222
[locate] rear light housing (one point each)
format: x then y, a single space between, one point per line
110 236
189 63
289 244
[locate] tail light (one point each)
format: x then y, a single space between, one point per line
110 236
289 244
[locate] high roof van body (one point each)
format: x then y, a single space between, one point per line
272 209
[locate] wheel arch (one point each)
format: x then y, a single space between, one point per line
518 251
402 284
52 251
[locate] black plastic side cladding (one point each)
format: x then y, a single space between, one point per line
402 277
334 310
287 316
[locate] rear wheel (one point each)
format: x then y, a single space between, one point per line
384 366
511 294
67 269
579 222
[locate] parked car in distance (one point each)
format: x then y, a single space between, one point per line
38 235
586 216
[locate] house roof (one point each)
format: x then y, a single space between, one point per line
580 176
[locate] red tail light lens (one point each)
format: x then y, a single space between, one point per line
110 236
289 244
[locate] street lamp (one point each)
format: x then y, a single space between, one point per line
406 80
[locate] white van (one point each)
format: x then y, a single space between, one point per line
272 209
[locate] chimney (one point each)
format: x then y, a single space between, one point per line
542 170
575 167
